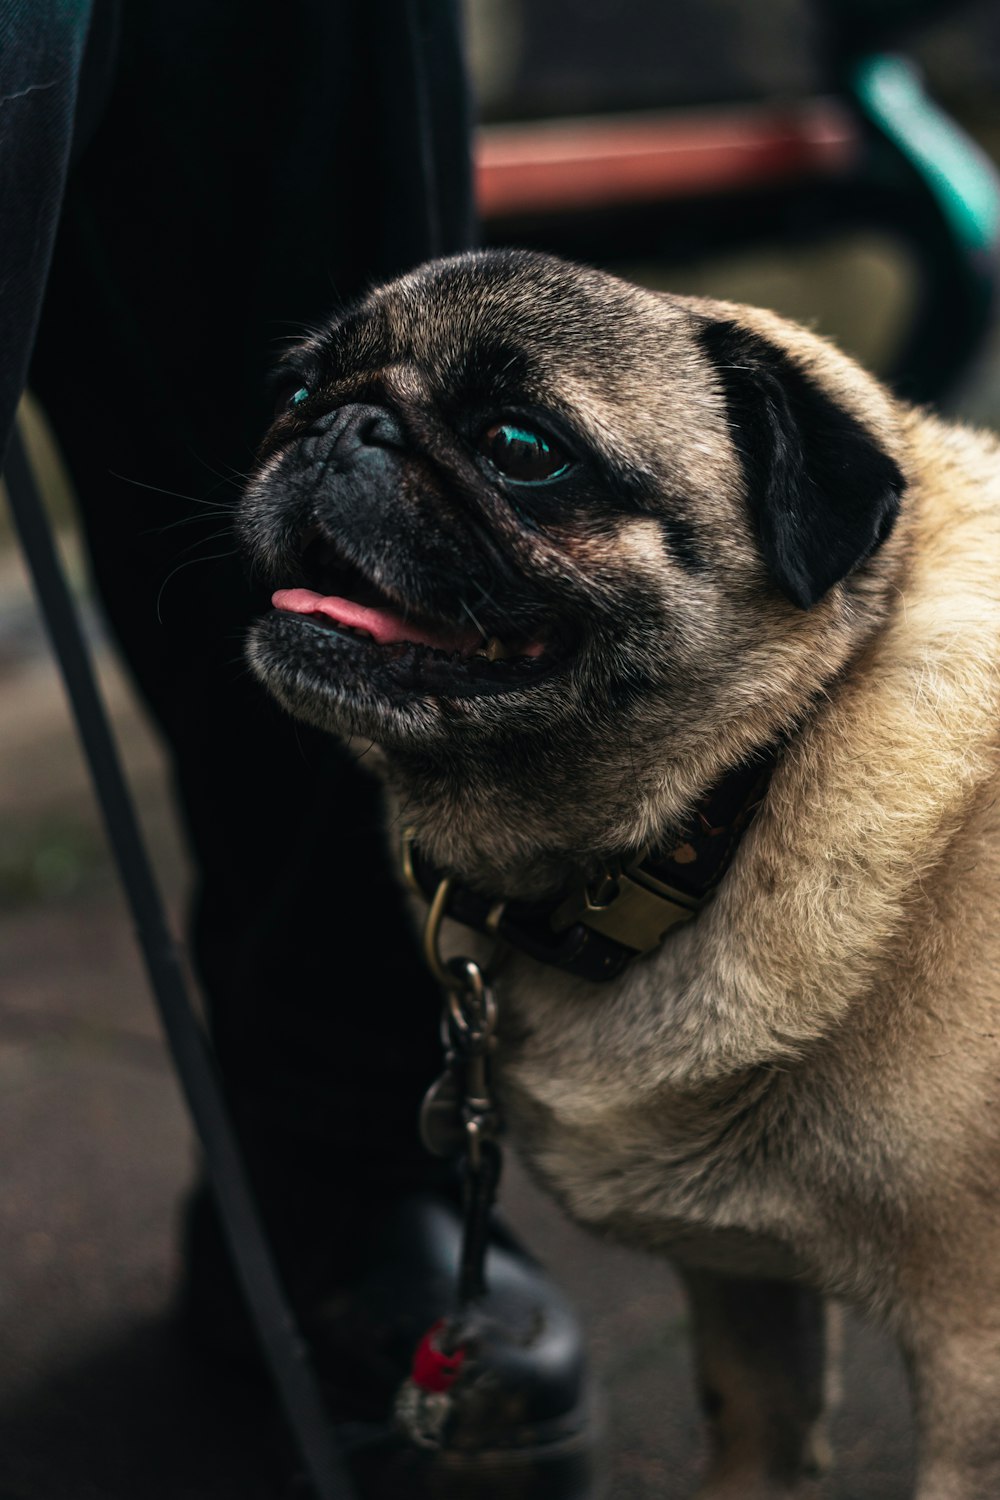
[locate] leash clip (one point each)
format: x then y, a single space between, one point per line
445 971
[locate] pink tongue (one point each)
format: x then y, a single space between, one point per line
382 625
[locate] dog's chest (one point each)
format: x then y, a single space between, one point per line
707 1174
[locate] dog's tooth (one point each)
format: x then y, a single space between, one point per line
495 649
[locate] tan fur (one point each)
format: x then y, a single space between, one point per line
798 1095
851 962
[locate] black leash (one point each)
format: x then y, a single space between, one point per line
284 1349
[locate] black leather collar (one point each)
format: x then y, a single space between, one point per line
594 929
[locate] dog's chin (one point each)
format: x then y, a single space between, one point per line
344 682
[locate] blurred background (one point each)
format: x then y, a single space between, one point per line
780 153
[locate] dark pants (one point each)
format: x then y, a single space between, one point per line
240 167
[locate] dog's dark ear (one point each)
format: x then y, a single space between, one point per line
823 493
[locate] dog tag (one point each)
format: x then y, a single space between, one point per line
441 1126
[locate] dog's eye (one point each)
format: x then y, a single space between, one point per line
518 453
288 392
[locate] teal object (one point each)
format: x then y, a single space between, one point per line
925 181
958 174
302 394
524 435
532 445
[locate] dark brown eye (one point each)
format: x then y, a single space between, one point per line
518 453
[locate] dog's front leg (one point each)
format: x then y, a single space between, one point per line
761 1368
956 1380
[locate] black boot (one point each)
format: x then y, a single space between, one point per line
427 1401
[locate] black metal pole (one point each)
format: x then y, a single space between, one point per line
284 1349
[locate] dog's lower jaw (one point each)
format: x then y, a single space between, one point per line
328 710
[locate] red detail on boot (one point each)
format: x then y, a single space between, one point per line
433 1370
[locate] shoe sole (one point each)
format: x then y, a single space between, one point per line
568 1465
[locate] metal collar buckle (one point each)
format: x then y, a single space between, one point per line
629 905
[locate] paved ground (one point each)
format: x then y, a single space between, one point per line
96 1401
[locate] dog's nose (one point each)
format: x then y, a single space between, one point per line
358 425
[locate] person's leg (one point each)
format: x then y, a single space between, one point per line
43 44
257 165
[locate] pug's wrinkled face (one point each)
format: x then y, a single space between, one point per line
523 520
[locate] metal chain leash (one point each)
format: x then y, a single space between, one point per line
459 1117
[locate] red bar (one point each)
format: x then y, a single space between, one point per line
592 162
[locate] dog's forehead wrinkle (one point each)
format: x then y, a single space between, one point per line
503 296
405 381
362 338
